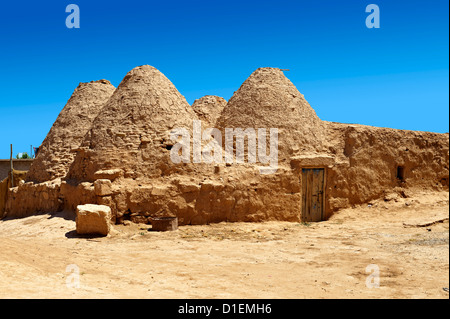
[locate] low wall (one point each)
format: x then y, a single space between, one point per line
371 162
19 165
362 164
29 199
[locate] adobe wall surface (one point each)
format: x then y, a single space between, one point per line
28 199
243 196
367 159
19 164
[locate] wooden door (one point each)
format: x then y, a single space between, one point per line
312 194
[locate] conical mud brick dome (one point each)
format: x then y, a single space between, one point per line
74 121
209 108
132 131
267 99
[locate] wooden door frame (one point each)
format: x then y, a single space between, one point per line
325 172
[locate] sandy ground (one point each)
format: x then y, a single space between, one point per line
407 239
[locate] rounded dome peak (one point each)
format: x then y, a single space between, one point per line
267 71
267 75
267 96
142 69
146 75
268 99
146 101
208 108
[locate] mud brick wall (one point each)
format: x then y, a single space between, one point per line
19 164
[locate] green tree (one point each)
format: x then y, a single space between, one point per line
23 155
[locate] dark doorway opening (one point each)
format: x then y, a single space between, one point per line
401 173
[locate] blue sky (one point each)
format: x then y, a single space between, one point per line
395 76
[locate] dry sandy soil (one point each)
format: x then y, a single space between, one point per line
408 239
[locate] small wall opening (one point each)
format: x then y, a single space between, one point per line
401 173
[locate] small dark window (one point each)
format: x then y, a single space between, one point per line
401 173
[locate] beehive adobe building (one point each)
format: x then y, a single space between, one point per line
119 155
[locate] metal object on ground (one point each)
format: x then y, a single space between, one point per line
164 223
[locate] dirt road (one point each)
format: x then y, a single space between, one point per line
406 240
